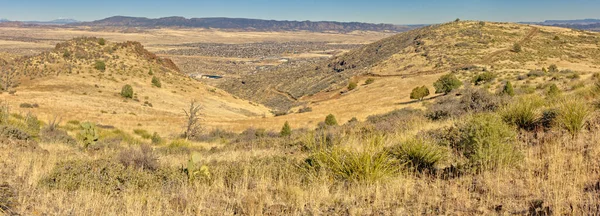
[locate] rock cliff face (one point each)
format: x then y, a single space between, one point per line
243 24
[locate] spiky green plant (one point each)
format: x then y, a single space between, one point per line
573 114
524 113
192 169
366 166
419 154
89 134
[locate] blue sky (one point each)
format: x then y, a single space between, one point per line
374 11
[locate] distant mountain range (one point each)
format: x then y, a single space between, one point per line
582 24
243 24
52 22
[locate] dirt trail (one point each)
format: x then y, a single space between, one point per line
285 94
529 37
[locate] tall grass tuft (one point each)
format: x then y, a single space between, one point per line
524 113
365 166
573 113
420 154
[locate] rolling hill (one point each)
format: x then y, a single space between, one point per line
81 79
407 60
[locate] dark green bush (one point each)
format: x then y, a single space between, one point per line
352 86
484 77
447 83
127 91
419 93
156 82
100 65
286 130
330 120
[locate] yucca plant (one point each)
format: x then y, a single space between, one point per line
420 154
524 113
573 113
368 165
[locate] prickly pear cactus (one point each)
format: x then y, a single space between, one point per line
193 172
89 134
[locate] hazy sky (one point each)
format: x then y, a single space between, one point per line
375 11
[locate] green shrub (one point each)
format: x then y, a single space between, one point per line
101 41
330 120
150 72
573 114
33 124
553 68
487 142
352 86
553 90
156 82
508 89
100 65
369 81
446 84
517 48
127 91
420 154
286 130
419 93
156 139
484 77
524 113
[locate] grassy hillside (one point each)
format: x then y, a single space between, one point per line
518 137
416 58
82 80
430 50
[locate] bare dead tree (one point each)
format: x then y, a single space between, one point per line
193 120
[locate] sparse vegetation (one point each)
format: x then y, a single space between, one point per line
369 81
468 152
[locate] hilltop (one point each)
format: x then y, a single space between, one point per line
84 77
242 24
